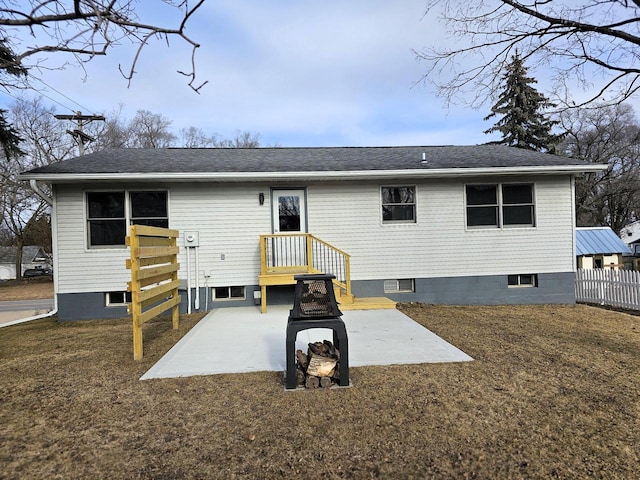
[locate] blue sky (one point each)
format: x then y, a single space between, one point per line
299 73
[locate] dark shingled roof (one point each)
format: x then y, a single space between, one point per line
319 159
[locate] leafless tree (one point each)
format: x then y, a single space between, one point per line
151 130
21 210
85 29
608 135
194 137
593 42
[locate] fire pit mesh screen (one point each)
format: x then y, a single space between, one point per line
314 298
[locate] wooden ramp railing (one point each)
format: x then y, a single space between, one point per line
154 278
284 255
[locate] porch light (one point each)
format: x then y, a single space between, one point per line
261 198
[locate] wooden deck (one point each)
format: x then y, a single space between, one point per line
346 302
283 256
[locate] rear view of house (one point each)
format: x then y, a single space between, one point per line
453 224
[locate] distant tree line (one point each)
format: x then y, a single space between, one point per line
38 139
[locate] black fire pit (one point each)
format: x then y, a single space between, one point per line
315 306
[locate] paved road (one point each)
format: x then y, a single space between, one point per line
21 305
11 311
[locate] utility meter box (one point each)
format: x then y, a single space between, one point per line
191 239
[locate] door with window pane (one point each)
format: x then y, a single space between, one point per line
289 217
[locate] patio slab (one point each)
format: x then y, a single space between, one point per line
237 340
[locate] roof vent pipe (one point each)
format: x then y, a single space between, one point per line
424 158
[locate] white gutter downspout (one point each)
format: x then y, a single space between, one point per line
40 193
35 317
51 313
188 282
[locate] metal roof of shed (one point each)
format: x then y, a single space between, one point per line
598 241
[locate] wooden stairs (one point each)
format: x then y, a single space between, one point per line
311 255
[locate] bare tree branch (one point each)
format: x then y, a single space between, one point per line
89 28
592 43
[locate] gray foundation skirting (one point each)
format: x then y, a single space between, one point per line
552 288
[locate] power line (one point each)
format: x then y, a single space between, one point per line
65 96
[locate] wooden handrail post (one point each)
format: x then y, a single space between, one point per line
263 254
347 273
309 253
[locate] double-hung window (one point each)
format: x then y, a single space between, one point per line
500 205
109 213
106 218
398 204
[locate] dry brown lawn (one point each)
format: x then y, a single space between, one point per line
27 289
554 392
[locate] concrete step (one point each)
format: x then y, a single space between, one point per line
368 303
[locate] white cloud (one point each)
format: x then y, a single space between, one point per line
298 72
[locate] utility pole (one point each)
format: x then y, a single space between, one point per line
77 133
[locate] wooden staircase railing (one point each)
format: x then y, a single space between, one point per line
284 255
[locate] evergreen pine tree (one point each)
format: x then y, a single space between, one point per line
522 124
9 139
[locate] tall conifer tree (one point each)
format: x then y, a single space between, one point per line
9 138
522 123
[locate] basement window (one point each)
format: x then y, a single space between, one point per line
228 293
403 285
117 299
522 280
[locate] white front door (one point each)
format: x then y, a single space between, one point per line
289 211
289 216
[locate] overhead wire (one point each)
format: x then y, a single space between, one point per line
65 96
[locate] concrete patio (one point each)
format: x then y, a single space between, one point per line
237 340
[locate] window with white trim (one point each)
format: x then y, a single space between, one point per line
109 213
398 204
500 205
117 299
522 280
401 285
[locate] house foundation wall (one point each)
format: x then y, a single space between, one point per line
552 288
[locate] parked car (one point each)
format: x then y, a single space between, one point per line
37 272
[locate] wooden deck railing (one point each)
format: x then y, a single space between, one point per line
304 253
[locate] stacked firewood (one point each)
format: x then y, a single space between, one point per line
319 367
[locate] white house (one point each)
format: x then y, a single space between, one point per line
33 257
452 225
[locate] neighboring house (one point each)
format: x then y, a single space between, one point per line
630 235
482 224
599 247
32 257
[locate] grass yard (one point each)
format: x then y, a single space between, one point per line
554 392
26 289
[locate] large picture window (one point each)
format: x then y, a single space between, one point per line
109 213
398 204
500 205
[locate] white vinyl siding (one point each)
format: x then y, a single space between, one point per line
230 219
439 244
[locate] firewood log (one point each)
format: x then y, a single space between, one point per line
300 377
303 360
312 382
325 382
320 366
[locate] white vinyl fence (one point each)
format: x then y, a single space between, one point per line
617 288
